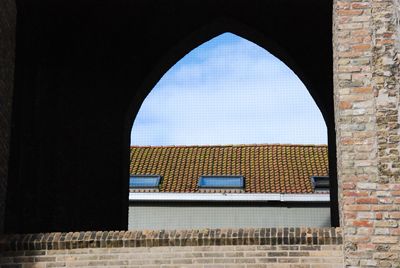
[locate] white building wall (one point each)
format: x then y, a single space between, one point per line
154 217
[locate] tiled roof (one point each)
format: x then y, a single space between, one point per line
270 168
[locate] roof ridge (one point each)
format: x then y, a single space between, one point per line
231 145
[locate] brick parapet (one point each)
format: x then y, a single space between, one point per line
153 238
262 247
246 256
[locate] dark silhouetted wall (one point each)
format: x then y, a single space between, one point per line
83 69
8 16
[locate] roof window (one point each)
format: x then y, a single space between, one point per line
320 183
144 181
226 182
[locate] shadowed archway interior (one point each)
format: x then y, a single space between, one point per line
84 68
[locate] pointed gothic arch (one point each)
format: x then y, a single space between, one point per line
321 90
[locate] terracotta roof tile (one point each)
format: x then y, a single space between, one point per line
267 168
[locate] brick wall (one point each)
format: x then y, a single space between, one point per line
366 104
7 48
265 247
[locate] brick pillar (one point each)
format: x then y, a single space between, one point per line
366 115
7 48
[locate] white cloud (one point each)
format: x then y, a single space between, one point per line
236 93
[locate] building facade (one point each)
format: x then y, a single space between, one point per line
228 186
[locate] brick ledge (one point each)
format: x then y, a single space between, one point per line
155 238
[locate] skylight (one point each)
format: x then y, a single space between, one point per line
144 181
320 183
230 182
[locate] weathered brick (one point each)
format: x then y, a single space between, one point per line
182 261
361 5
97 263
363 223
385 239
213 254
224 260
345 105
266 260
288 260
245 260
366 186
386 255
254 254
45 259
277 254
382 231
119 263
55 264
394 215
203 260
366 200
312 260
383 208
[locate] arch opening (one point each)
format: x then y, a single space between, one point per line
219 91
175 96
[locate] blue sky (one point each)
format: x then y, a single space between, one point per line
229 91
